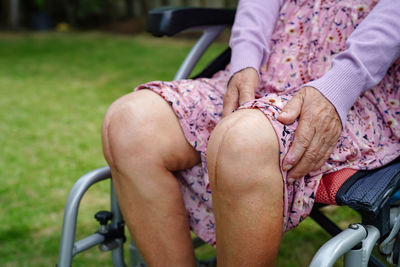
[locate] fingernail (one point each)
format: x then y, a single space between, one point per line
287 167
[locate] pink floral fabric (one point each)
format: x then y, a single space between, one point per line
306 37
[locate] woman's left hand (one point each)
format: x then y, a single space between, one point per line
317 132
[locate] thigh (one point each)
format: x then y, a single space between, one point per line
196 103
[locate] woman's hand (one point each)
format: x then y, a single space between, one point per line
241 89
316 135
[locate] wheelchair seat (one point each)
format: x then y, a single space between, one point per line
373 194
368 192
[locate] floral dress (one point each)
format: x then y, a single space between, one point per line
306 37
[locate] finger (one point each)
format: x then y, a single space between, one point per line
302 138
327 153
316 155
311 157
246 93
231 101
292 109
327 150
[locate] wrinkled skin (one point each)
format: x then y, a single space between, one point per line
318 129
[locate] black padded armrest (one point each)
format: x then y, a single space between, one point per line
369 193
172 20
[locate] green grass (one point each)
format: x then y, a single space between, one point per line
54 91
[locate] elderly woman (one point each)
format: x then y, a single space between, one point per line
314 86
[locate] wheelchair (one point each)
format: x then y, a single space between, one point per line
374 194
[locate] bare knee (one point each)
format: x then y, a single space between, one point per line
121 128
243 151
140 128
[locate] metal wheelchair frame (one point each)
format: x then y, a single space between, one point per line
356 242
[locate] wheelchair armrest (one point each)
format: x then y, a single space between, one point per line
172 20
369 193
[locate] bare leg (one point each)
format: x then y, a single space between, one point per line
143 143
247 189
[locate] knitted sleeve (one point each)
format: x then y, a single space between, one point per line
251 33
370 50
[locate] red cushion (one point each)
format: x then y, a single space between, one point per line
330 184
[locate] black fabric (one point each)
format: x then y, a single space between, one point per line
368 191
172 20
347 184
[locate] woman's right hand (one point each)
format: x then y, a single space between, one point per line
241 88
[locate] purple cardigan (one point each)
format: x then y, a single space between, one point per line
371 49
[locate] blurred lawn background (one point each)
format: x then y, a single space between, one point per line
54 91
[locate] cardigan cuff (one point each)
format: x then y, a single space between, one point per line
245 55
341 85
